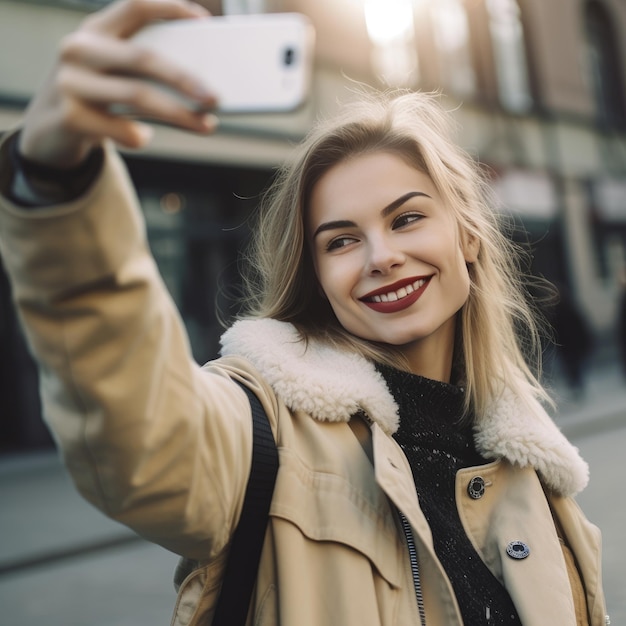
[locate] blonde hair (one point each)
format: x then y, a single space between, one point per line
498 336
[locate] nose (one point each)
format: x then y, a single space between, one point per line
383 256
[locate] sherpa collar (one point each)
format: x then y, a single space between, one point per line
331 385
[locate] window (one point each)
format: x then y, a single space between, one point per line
452 38
507 36
391 30
603 58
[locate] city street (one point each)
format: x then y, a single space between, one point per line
63 564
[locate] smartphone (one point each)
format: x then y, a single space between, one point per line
252 63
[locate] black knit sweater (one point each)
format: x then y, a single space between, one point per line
437 445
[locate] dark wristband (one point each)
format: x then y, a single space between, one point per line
36 185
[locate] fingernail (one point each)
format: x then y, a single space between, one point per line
210 121
144 133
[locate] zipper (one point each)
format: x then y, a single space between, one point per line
417 584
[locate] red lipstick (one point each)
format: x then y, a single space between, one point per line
393 306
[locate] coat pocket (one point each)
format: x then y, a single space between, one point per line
326 507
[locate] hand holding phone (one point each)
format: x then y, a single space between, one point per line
101 76
252 63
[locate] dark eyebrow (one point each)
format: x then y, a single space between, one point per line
390 208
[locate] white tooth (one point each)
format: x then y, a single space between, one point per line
402 293
392 297
376 299
384 297
409 289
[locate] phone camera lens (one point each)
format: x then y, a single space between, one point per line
289 56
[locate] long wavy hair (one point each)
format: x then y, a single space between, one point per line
498 338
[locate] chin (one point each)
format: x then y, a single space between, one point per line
398 341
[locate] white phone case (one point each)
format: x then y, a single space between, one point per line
252 63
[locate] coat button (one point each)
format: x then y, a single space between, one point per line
518 550
476 487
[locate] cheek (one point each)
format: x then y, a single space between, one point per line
457 273
330 280
337 280
333 271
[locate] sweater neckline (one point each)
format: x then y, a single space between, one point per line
421 398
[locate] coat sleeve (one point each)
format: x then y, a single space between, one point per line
149 437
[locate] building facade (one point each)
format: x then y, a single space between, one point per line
538 89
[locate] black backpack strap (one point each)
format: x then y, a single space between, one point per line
245 552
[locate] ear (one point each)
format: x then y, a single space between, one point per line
471 248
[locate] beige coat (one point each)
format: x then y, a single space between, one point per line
163 445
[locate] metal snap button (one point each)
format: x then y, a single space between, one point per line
518 550
476 487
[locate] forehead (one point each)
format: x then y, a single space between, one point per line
370 180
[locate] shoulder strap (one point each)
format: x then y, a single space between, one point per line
243 560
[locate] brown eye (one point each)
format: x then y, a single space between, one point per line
405 219
339 242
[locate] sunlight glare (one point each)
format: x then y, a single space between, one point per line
389 20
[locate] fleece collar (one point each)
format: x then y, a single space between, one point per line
332 385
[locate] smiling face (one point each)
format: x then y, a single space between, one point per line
389 257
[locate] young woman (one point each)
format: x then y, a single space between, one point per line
387 336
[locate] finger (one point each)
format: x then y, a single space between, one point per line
113 56
97 125
125 17
136 97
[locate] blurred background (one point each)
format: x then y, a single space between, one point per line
538 89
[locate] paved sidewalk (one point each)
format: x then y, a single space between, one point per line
62 563
600 406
